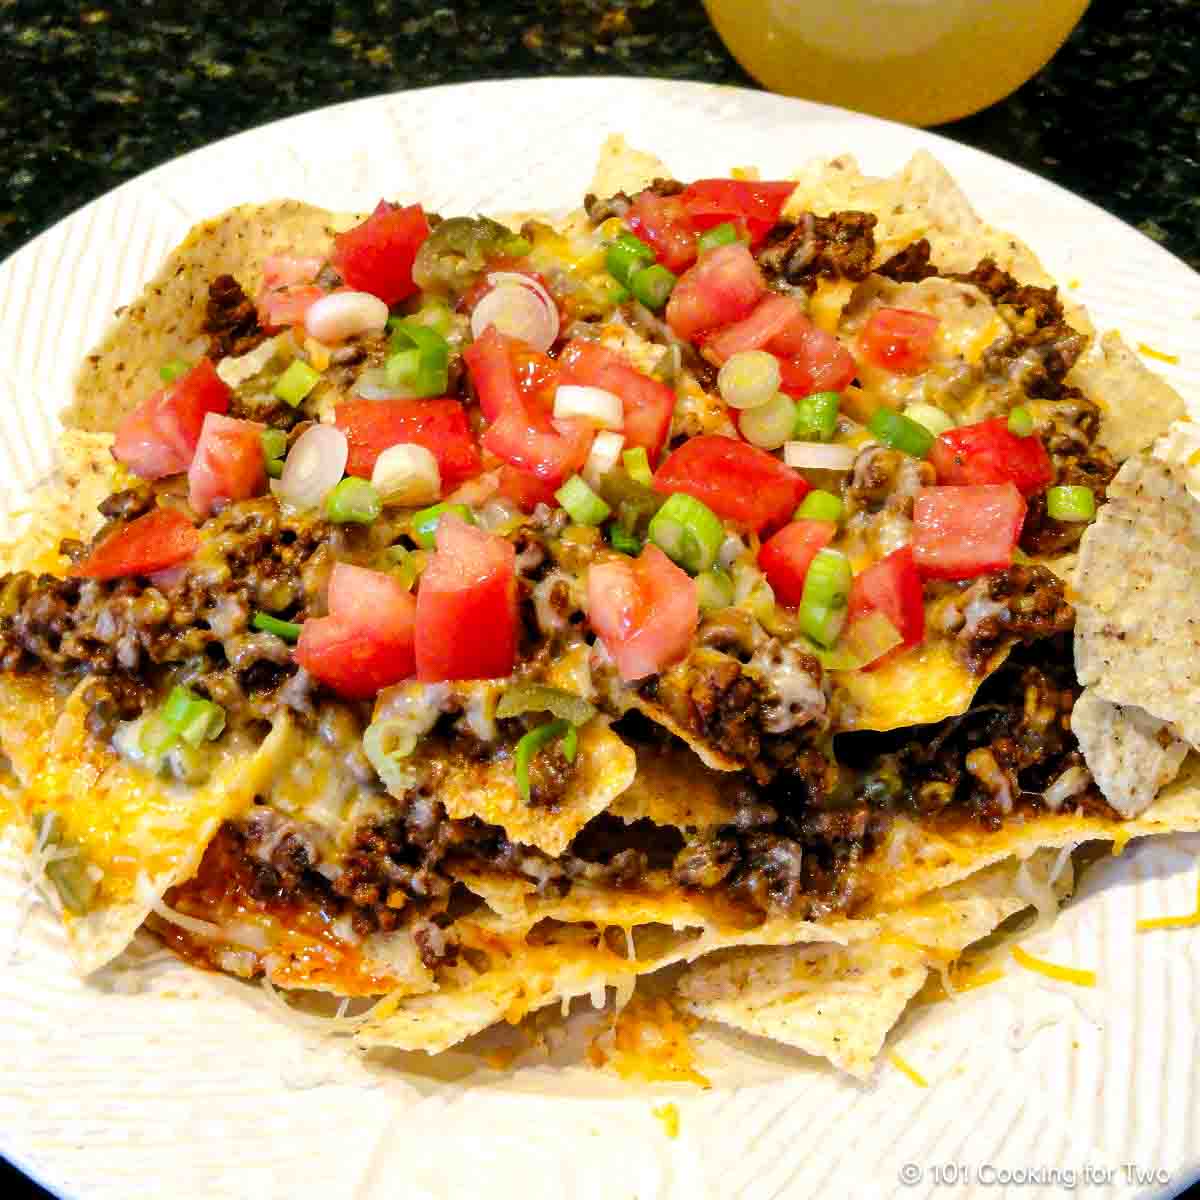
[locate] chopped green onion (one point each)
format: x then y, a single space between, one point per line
936 421
355 501
434 314
869 638
749 379
581 503
274 443
296 382
626 256
187 716
537 697
275 467
404 565
420 360
821 623
529 745
1020 422
156 737
288 630
653 286
570 743
1070 503
769 425
816 417
622 540
827 583
171 371
688 532
387 743
714 589
637 465
718 235
900 432
424 523
819 505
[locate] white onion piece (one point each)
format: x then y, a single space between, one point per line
749 379
603 456
598 406
372 384
407 474
342 315
503 278
314 467
518 311
818 456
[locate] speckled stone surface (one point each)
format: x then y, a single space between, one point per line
96 93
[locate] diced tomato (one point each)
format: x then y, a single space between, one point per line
367 641
785 558
526 491
648 403
441 426
891 586
736 480
162 538
827 368
377 256
159 437
645 610
961 532
284 270
467 606
723 287
287 305
662 222
521 432
772 318
751 204
899 339
989 453
229 463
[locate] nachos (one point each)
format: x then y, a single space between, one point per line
469 614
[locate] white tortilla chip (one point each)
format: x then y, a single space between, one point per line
1132 756
621 168
1137 635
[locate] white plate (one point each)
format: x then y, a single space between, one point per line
193 1087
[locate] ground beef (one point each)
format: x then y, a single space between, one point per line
1041 306
600 210
129 504
1025 602
909 265
1036 362
230 320
839 246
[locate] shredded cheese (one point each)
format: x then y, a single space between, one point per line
1121 839
978 979
1075 975
339 1024
908 1069
147 896
668 1114
1161 355
1179 922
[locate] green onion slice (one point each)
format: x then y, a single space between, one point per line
288 630
529 745
819 505
688 532
714 589
816 417
420 360
424 523
1020 422
827 583
626 256
749 379
718 235
296 382
622 540
581 503
354 501
1070 503
387 743
186 716
900 432
403 565
171 371
538 697
771 424
637 465
653 286
821 622
930 416
274 443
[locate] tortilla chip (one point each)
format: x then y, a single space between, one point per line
1138 405
143 833
840 1002
1180 446
1132 756
604 768
669 790
1137 640
621 168
166 321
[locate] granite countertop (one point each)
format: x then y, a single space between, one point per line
98 93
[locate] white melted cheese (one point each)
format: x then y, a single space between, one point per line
235 371
797 697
